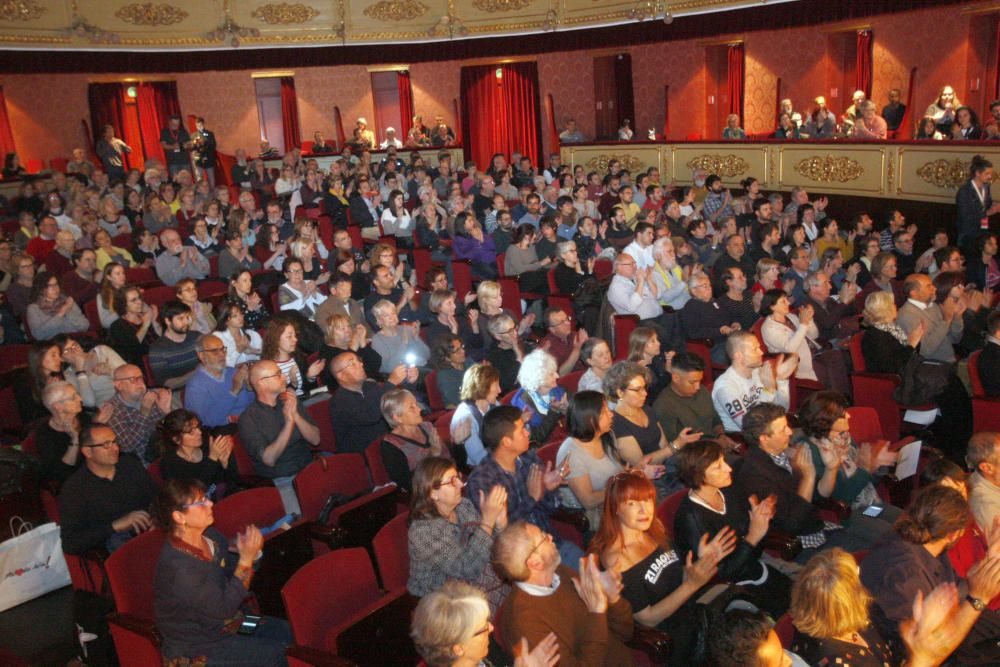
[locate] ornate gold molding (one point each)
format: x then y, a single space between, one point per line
150 14
396 10
829 169
20 10
285 13
723 165
600 163
492 6
890 172
948 174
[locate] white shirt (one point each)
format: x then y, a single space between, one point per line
233 356
733 395
623 298
539 591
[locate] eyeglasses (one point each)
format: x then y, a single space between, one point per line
192 429
214 349
197 503
639 390
545 538
558 324
266 377
134 379
455 481
488 628
107 444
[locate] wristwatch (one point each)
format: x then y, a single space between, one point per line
976 603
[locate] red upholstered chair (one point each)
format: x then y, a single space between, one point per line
347 475
443 426
624 325
376 466
157 296
422 263
260 507
356 239
703 348
571 381
785 630
142 276
434 397
603 268
875 390
462 276
90 310
86 572
213 266
555 298
667 509
155 473
130 573
10 416
392 553
353 619
985 409
14 356
508 398
510 296
549 452
320 413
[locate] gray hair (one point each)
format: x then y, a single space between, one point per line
982 449
393 404
53 393
813 279
382 307
564 247
445 618
660 243
500 324
534 368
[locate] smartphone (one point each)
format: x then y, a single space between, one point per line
410 359
873 510
249 625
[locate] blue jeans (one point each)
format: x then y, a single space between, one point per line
570 554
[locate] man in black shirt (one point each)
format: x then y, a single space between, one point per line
105 503
356 406
177 145
894 111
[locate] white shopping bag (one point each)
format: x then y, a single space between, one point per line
31 565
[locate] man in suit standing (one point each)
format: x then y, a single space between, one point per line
974 203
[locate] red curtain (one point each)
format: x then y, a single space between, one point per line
736 70
405 105
107 107
863 80
996 60
157 103
500 115
6 135
290 114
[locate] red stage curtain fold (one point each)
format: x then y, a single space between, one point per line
405 105
107 107
290 114
157 103
500 115
863 78
736 80
6 134
996 60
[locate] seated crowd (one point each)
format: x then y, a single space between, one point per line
576 482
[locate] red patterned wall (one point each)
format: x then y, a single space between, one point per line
45 110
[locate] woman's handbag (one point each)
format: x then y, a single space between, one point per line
923 379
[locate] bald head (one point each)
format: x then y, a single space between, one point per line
129 383
170 239
348 370
262 369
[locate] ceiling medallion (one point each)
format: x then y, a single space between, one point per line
396 10
20 10
150 14
500 5
601 162
828 169
285 13
722 165
945 173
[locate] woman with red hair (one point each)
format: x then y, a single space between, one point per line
660 586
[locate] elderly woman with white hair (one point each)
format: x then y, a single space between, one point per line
542 400
451 628
411 439
576 279
397 344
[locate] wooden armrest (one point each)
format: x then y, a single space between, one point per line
656 644
786 546
839 508
573 517
316 657
143 627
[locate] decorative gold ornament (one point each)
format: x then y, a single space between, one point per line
151 15
890 172
492 6
396 10
946 173
285 13
20 10
723 165
829 169
600 163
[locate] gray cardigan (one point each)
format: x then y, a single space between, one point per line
44 327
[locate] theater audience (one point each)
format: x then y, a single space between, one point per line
411 439
540 398
750 380
685 405
216 392
983 458
356 406
178 261
191 454
243 345
241 293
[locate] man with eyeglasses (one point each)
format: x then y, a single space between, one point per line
105 503
591 623
561 342
178 261
215 391
277 431
633 292
135 412
704 317
356 406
